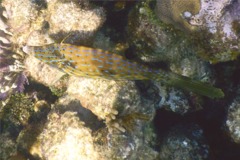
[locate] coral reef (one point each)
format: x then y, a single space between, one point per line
173 12
28 25
173 99
75 128
79 21
103 97
155 41
19 20
150 40
17 111
59 116
218 20
65 137
184 142
8 147
137 145
232 124
42 72
209 14
69 123
12 77
107 98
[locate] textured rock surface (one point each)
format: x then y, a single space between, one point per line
42 72
173 99
184 142
80 21
217 20
155 41
233 121
79 133
172 12
18 19
18 110
8 147
152 40
104 97
65 137
209 14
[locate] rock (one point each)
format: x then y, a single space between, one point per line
185 142
232 123
20 18
17 111
8 147
172 99
79 22
41 72
155 41
214 25
71 126
172 12
65 137
107 98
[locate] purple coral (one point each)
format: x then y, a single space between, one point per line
232 21
209 14
12 77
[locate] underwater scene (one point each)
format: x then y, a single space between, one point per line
119 80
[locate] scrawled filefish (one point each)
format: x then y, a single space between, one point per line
97 63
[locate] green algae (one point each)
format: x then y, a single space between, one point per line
236 27
18 110
60 87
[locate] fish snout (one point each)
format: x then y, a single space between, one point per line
27 49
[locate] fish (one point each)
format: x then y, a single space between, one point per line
89 62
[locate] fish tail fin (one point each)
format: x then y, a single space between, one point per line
195 86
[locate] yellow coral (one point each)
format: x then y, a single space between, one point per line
172 11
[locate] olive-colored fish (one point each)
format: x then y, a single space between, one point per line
97 63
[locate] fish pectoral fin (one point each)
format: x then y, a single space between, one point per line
60 63
71 71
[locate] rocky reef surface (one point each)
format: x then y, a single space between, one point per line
184 142
48 114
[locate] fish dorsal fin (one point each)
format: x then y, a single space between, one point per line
62 42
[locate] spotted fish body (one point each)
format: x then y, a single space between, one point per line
97 63
89 62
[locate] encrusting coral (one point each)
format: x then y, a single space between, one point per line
184 141
218 20
65 137
79 22
8 147
18 110
232 123
174 11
